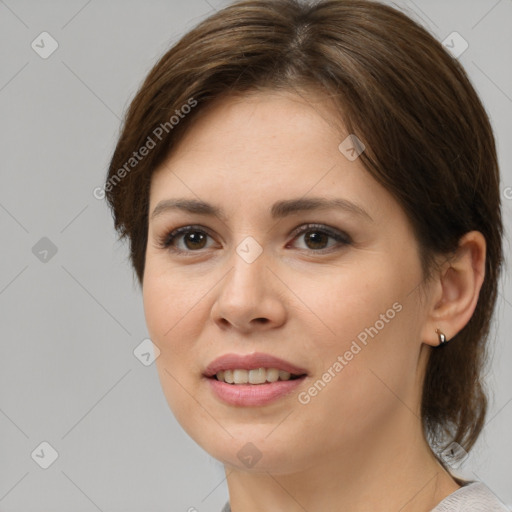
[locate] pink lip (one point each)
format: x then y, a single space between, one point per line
253 395
247 395
250 362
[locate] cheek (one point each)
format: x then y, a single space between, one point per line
172 323
356 303
371 345
172 304
362 385
173 317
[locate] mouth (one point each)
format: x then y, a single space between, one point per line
256 368
257 371
256 376
254 387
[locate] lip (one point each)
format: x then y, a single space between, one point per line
252 395
251 362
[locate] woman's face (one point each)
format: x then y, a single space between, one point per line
338 303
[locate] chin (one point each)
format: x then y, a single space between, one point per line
251 448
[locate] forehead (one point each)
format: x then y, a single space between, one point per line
260 124
263 147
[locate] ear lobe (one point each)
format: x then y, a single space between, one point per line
458 287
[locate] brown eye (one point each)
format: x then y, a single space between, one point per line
190 239
194 240
185 239
316 238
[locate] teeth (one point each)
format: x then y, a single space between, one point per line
256 376
240 376
284 375
272 375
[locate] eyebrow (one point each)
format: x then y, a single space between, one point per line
278 210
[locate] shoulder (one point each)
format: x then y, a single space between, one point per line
472 497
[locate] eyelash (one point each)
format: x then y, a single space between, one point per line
165 241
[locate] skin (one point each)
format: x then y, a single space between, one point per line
359 441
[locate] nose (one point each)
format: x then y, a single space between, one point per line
250 297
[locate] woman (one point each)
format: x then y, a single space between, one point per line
311 195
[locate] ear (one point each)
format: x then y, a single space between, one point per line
456 288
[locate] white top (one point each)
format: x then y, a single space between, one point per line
472 497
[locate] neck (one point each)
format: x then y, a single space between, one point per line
393 469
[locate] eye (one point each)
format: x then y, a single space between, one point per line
193 238
316 236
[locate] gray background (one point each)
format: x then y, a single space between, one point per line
70 323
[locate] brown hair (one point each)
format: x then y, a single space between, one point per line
428 141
